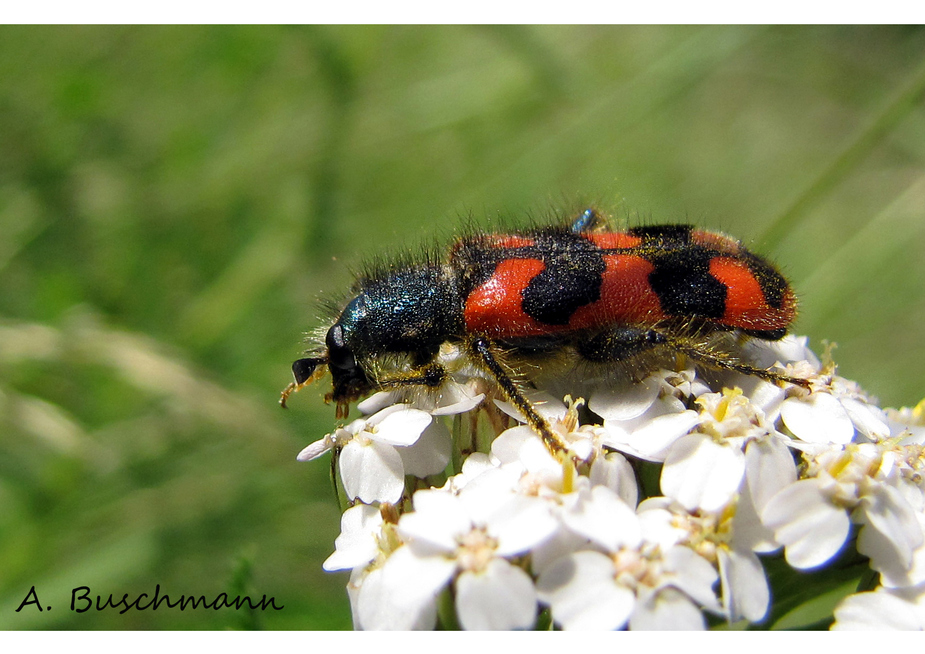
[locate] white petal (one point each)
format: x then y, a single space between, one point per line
545 404
658 523
792 348
768 397
521 445
378 608
745 587
370 611
378 401
692 574
402 427
363 423
601 516
652 440
562 543
412 575
372 472
892 573
316 449
506 447
748 532
701 473
475 465
357 577
489 485
628 402
581 590
811 528
879 610
518 522
430 454
869 420
615 472
888 513
438 519
462 406
769 468
454 398
357 544
667 610
817 418
500 597
883 558
402 594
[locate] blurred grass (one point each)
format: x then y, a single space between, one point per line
173 201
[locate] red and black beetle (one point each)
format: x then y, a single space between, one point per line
604 296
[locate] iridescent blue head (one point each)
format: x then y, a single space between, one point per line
409 311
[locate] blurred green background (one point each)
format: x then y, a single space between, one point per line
174 201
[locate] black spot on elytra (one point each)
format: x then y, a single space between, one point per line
571 279
684 285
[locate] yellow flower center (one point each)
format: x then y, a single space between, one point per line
475 550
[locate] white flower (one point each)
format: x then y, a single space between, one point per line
520 447
598 514
583 591
631 579
890 539
812 516
705 468
833 412
358 543
580 440
635 586
521 525
400 595
470 537
645 419
377 452
727 538
441 520
701 472
882 609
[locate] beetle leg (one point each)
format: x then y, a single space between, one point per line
432 375
482 350
721 362
624 343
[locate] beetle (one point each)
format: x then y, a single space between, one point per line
602 296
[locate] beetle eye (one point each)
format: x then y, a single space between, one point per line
335 338
339 355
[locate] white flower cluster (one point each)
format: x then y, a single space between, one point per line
587 540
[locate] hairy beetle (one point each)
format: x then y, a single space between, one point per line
603 296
